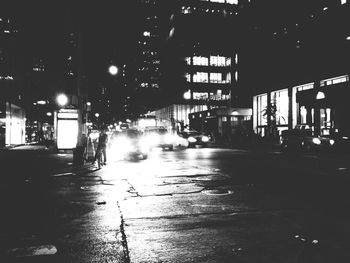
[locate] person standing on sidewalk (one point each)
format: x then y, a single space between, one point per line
102 145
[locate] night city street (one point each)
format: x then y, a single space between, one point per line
175 131
186 205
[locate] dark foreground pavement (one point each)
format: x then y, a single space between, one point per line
50 211
189 205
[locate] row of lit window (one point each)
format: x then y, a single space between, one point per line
149 53
186 10
232 2
38 68
149 34
325 82
149 85
219 61
205 77
155 69
6 78
333 81
210 95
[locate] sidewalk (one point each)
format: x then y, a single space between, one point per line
63 165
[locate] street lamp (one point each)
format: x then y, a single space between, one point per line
113 70
187 95
62 100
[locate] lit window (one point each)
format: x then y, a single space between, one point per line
335 80
343 2
188 60
200 77
147 33
200 95
233 2
215 77
188 77
219 61
200 61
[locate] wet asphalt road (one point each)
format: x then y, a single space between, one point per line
189 205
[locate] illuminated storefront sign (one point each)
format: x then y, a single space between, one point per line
67 129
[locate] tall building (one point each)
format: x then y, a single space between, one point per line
147 63
199 58
12 115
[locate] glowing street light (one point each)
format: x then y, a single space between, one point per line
62 100
187 95
97 115
320 95
113 70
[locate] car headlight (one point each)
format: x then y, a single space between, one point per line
331 142
191 139
316 141
205 139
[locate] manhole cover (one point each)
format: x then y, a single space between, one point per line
217 192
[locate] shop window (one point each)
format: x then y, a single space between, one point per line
261 106
282 106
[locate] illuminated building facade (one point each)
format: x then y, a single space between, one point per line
147 63
301 65
12 115
200 57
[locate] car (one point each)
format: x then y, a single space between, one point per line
302 138
129 144
195 138
159 136
342 141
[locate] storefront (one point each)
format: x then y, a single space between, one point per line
322 105
325 108
12 125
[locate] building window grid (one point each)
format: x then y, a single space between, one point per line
332 81
217 61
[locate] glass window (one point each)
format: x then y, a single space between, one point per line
200 95
282 106
215 77
200 61
217 61
200 77
188 77
335 80
261 106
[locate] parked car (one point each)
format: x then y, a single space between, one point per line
159 136
302 138
341 141
195 138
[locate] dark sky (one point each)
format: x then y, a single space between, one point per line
106 28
